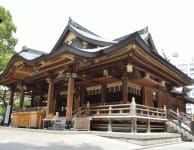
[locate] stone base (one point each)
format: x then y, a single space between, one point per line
143 138
68 125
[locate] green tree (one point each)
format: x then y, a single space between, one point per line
16 104
2 111
7 44
7 40
3 101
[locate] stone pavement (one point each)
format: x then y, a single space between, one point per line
175 146
23 139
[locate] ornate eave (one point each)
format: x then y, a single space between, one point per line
132 49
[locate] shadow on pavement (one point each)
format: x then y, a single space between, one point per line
50 146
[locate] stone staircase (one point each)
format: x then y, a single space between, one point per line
179 123
174 128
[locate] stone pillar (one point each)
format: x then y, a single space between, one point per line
21 102
133 115
50 97
125 89
109 120
70 89
103 94
148 126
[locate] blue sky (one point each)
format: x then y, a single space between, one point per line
40 22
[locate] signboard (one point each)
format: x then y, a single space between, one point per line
7 114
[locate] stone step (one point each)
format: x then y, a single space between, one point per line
173 128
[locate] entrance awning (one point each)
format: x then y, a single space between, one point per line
106 80
145 82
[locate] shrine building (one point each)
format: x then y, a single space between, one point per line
96 84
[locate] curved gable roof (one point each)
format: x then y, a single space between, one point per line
83 34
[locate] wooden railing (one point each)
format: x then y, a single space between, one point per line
31 109
118 110
142 110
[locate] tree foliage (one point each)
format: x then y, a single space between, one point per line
16 104
7 40
2 111
4 58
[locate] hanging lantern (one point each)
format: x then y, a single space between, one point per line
129 68
105 72
163 83
147 75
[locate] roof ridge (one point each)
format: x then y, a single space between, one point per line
27 49
80 27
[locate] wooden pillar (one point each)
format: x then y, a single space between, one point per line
50 97
54 102
76 102
148 96
69 103
82 96
125 89
11 99
40 100
21 103
160 99
32 100
103 94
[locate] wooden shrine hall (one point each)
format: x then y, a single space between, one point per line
87 76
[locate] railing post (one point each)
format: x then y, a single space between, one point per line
148 113
165 111
79 112
157 113
110 110
133 114
148 125
177 111
133 107
109 125
87 108
178 118
109 120
98 112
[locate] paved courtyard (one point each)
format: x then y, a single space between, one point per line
23 139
